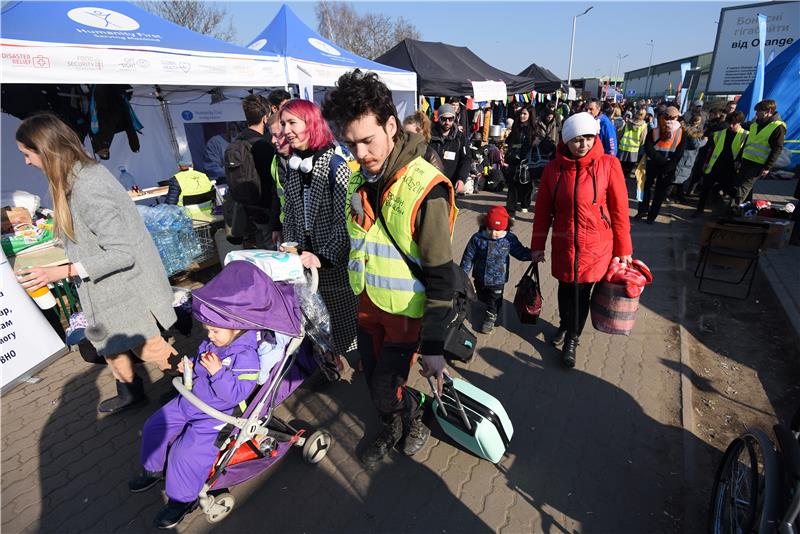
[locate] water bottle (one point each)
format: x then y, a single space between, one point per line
187 373
126 179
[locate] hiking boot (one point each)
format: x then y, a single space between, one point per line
489 321
173 513
568 352
558 339
390 434
128 395
147 480
415 435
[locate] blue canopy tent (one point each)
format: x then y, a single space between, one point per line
306 54
113 42
117 42
781 83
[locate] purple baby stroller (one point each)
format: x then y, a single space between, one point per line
244 297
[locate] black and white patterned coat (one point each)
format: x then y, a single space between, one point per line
327 236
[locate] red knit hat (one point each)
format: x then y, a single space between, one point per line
497 218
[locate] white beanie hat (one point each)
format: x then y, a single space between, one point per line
579 124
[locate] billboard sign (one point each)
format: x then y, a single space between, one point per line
736 50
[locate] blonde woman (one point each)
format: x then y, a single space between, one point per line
418 123
121 282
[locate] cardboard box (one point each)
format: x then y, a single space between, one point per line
780 230
11 217
778 234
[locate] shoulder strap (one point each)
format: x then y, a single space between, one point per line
415 269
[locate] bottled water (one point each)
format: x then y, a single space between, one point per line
173 235
126 179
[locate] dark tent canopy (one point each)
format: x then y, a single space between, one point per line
545 81
446 70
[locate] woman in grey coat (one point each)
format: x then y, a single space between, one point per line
121 282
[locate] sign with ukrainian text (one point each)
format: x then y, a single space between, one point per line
27 341
736 51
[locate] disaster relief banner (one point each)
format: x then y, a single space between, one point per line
736 50
27 341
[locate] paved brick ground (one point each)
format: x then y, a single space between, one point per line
596 449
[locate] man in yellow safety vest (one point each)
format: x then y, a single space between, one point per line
398 202
192 190
724 153
761 150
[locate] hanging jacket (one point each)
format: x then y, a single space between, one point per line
114 115
595 204
489 258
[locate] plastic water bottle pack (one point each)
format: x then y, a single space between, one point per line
173 235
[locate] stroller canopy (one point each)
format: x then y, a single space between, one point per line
242 297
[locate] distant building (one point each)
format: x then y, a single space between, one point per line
663 79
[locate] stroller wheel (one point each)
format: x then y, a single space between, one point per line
316 446
221 508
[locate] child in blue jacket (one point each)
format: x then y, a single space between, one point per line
487 255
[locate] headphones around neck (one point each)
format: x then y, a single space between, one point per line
304 165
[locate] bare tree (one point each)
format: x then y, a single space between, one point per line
208 18
368 35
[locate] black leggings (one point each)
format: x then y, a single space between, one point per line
567 305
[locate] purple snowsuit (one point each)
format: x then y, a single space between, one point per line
240 297
192 453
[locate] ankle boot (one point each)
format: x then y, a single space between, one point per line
128 395
415 433
390 434
568 352
489 321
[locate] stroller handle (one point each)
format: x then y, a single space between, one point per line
238 422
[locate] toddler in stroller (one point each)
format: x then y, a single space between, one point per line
254 337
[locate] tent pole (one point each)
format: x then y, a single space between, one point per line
168 119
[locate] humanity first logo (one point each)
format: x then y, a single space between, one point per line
105 19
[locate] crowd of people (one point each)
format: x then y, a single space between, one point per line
380 237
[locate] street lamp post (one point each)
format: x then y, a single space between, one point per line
649 65
620 57
572 46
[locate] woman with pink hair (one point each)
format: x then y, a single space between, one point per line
314 212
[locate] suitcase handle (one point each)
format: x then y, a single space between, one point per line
449 383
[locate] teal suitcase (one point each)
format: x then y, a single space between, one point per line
473 418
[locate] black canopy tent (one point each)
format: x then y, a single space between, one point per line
447 70
544 80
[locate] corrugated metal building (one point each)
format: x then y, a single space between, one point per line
664 76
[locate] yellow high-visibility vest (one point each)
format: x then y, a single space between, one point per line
632 138
719 142
374 264
757 148
194 182
278 185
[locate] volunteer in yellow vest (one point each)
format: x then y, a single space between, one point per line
764 145
399 316
280 162
664 148
725 152
189 182
631 142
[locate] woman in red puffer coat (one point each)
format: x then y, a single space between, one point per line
590 223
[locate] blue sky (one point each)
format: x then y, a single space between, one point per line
512 35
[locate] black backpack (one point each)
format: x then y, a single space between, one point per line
240 167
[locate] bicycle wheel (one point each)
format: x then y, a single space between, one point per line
735 497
